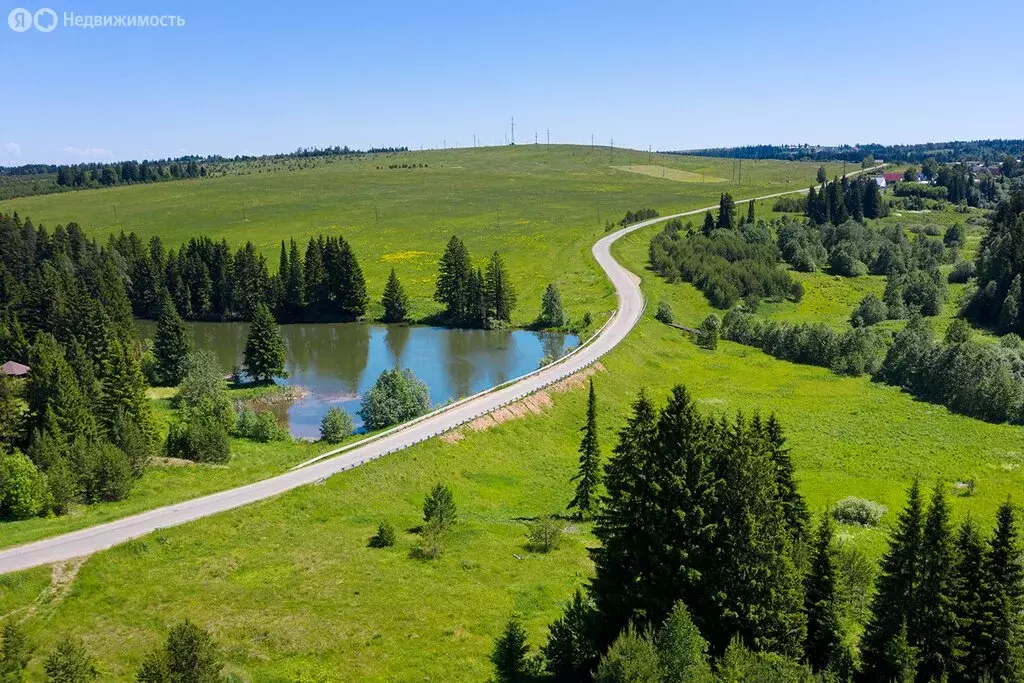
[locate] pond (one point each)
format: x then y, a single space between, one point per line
337 362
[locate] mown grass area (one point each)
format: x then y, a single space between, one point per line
520 200
290 589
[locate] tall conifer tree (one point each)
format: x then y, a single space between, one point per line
590 457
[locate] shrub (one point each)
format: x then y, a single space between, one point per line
70 662
336 426
396 396
664 313
858 511
108 475
962 272
190 654
385 536
544 534
200 440
202 393
261 427
707 333
632 657
22 487
439 507
431 542
871 310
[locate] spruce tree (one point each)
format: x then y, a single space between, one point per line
970 555
70 662
824 632
682 470
821 175
315 288
509 655
750 212
124 400
798 518
625 525
682 650
454 273
14 653
709 224
394 301
1002 597
726 211
264 347
894 607
938 641
590 457
170 345
570 653
498 288
551 312
1009 313
55 401
752 540
352 299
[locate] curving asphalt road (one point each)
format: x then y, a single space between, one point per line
90 540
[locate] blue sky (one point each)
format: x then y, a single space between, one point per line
263 77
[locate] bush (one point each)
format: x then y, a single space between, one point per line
707 333
202 394
23 491
631 658
439 507
199 440
70 662
871 310
962 272
261 427
790 204
108 475
396 396
544 534
664 313
858 511
190 654
336 426
385 536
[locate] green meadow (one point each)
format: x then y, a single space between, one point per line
292 592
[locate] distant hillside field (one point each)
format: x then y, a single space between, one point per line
541 207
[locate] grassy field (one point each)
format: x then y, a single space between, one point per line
290 589
551 196
515 199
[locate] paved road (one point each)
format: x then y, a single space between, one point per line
93 539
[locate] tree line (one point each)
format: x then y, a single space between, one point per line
946 152
710 567
996 300
129 172
80 427
207 281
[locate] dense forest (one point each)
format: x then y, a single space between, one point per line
711 567
976 150
727 259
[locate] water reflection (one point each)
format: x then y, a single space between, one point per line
337 362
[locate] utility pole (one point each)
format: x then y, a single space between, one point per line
535 137
591 142
116 222
549 138
376 215
648 155
243 213
513 130
611 150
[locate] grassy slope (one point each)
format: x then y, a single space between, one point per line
550 197
517 200
288 585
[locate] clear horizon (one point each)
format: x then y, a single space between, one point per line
260 80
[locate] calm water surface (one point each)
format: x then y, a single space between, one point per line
338 362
